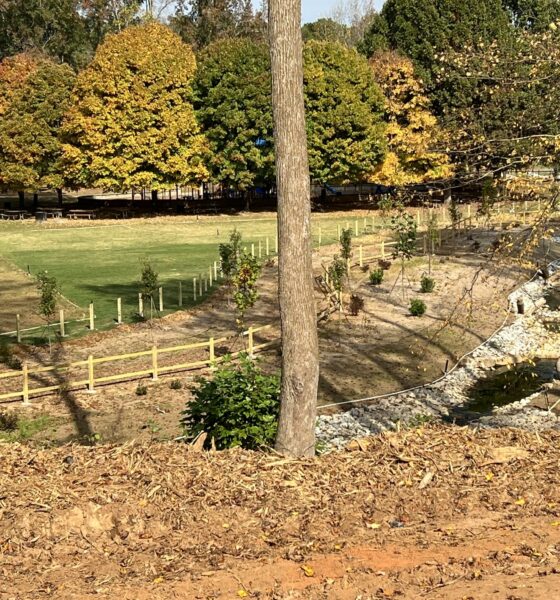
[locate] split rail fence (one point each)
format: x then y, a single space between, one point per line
93 371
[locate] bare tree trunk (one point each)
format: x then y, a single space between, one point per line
300 354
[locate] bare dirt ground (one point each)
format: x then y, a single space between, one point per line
383 349
437 512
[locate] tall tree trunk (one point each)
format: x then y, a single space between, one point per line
300 354
59 197
21 196
154 199
35 201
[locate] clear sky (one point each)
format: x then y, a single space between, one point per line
315 9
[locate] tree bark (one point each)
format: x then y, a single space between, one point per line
59 197
300 354
35 201
21 196
154 199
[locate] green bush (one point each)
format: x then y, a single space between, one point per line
376 277
176 384
417 307
427 284
141 389
239 406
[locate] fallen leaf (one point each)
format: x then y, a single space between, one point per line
520 502
308 571
242 593
158 580
489 476
373 525
426 480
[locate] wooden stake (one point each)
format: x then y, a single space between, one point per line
180 294
216 270
119 311
140 305
260 248
194 288
154 362
61 323
210 275
91 317
320 237
357 228
18 329
25 391
91 378
253 250
160 299
251 344
212 352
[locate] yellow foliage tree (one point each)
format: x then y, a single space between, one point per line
131 123
412 131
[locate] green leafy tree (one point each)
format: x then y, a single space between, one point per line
229 255
201 22
535 15
108 16
404 226
149 283
344 110
238 407
421 29
48 294
232 99
53 27
131 123
244 281
30 148
325 30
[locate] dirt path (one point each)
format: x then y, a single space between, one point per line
438 512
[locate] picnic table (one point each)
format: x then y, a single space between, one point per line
13 215
46 213
81 214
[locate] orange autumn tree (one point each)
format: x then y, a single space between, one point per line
132 123
414 138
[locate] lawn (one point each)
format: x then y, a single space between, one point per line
101 261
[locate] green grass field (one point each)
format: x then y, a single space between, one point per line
101 262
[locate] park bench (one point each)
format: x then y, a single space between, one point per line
81 214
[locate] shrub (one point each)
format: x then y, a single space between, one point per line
417 307
337 271
356 305
427 284
239 406
8 421
384 264
376 277
176 384
141 389
346 244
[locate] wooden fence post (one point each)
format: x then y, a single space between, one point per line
18 329
61 324
200 286
140 305
260 248
216 270
212 352
425 245
210 275
251 343
91 317
25 391
253 250
160 299
357 228
180 294
194 288
320 237
119 311
91 378
154 362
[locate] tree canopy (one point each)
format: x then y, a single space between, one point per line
55 28
131 123
232 98
413 133
34 94
345 129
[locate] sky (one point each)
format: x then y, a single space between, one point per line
315 9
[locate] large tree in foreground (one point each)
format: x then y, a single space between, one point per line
132 123
300 354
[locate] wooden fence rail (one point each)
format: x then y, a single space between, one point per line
27 375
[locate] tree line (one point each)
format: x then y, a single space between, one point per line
102 93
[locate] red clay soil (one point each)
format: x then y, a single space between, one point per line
437 512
